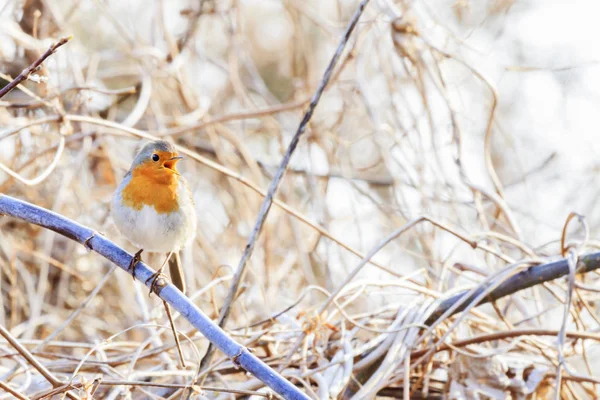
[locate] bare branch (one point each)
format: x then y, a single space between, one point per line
166 291
27 71
268 200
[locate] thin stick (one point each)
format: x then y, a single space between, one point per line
505 335
572 262
27 71
55 382
47 171
77 311
233 175
175 335
8 389
392 236
530 277
235 116
268 200
109 382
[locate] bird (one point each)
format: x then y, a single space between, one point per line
154 209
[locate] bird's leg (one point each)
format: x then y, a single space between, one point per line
154 277
137 257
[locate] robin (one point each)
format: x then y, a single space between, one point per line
154 209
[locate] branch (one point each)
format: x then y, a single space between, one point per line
49 376
530 277
27 71
274 186
166 291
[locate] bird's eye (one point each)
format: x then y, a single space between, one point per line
155 157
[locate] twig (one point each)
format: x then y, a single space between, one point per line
235 116
504 335
499 200
233 175
109 382
268 200
175 335
530 277
47 171
564 249
8 389
27 71
55 382
166 291
572 263
76 312
384 242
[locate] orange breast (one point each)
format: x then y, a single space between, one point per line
149 187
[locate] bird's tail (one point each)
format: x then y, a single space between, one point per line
176 272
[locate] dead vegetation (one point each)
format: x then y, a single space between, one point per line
405 189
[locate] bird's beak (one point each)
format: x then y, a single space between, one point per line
170 163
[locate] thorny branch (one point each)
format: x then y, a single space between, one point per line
167 292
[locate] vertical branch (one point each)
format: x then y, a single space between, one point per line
268 200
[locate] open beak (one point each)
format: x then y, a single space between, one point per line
170 163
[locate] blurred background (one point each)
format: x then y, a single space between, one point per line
481 115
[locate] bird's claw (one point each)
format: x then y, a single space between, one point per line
137 257
159 280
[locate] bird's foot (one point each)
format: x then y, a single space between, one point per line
137 257
158 281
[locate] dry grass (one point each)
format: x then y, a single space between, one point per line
403 166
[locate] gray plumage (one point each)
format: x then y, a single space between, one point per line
150 148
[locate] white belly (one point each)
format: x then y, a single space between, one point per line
157 232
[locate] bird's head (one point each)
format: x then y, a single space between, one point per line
156 159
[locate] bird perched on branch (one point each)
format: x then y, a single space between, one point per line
154 209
